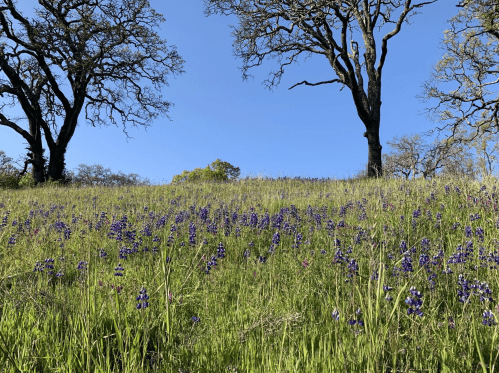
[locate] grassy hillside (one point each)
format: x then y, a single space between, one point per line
252 276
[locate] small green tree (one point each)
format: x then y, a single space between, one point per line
219 172
227 169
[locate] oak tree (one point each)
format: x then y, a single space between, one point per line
96 175
470 55
90 49
274 27
411 156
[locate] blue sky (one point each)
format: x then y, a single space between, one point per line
307 131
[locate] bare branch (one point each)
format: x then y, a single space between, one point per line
329 81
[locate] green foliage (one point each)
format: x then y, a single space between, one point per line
13 181
9 181
227 169
220 171
27 181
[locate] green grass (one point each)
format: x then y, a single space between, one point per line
247 315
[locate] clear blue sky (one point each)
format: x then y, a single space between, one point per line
307 131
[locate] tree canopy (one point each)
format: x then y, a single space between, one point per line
470 55
89 40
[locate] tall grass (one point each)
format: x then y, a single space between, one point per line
252 276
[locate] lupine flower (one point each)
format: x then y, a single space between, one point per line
414 303
192 234
335 314
467 231
147 231
387 288
118 268
142 296
49 265
479 233
488 318
38 267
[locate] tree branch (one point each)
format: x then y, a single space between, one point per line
329 81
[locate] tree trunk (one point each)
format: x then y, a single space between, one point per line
374 164
38 162
56 163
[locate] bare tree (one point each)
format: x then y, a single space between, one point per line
408 155
484 152
96 175
315 18
55 40
447 156
460 165
411 156
486 156
480 60
92 175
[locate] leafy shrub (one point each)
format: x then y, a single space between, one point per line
220 172
9 181
27 181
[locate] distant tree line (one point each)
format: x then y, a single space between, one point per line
96 175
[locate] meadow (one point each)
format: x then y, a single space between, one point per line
284 275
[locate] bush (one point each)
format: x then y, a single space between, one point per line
27 181
9 181
220 172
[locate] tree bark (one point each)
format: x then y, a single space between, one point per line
38 162
374 164
57 163
36 157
